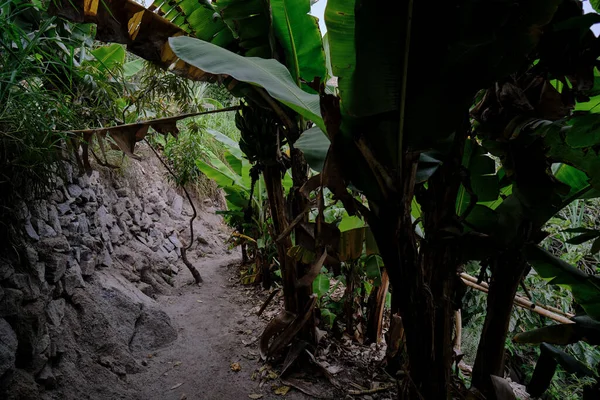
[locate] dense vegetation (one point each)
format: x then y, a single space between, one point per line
475 153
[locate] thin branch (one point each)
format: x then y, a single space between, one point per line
185 248
404 86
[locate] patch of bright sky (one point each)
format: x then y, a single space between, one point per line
587 8
318 10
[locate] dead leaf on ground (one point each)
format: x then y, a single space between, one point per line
177 363
282 390
255 396
176 386
236 367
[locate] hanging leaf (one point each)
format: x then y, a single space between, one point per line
351 244
350 222
373 266
110 56
299 34
321 285
268 74
314 144
545 368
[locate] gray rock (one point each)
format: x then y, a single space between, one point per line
57 196
11 302
31 255
168 245
115 234
175 241
119 208
6 269
56 265
73 279
68 171
46 377
122 192
107 260
88 195
82 221
23 282
31 231
74 190
8 347
45 230
153 330
53 220
146 222
87 261
55 244
102 217
64 208
148 209
39 210
55 311
177 205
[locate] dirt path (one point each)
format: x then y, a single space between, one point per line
211 320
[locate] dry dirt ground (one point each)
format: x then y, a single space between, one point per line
218 330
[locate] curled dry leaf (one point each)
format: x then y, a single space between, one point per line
236 367
255 396
282 390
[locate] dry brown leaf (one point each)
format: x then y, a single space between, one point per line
255 396
236 367
282 390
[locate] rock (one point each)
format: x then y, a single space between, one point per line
73 279
106 259
146 222
55 244
56 265
177 205
46 377
88 195
122 192
6 269
11 302
31 255
175 241
64 208
68 171
39 210
103 217
23 282
53 220
148 208
153 330
57 196
45 230
82 221
168 245
31 231
115 234
87 261
148 290
74 190
55 311
119 208
8 347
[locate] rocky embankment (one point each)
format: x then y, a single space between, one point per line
77 291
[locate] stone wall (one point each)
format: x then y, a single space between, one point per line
77 313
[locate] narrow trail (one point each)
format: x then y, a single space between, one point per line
212 321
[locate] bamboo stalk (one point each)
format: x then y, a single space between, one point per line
521 302
547 307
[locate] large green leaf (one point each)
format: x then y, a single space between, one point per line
585 288
250 20
299 34
197 18
583 328
545 368
229 143
109 56
314 144
269 74
482 175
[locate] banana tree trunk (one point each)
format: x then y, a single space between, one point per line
277 206
424 278
506 275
